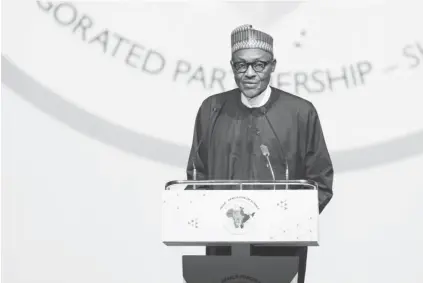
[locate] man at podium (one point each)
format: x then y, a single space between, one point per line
258 132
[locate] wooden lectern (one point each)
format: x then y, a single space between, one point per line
240 218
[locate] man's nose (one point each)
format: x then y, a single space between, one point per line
250 71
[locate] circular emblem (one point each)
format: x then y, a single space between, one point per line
238 214
239 278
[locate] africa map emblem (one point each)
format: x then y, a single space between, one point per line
238 214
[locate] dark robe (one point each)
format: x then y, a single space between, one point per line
226 145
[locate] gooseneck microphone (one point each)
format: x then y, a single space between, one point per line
266 153
194 158
212 119
280 144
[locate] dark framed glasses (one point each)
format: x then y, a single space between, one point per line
258 66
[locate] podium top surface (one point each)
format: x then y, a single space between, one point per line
296 183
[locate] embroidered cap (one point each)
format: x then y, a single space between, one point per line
245 37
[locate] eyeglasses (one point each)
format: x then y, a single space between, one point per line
242 67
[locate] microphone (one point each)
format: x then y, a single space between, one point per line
194 159
212 119
266 153
280 144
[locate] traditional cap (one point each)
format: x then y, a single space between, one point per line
245 37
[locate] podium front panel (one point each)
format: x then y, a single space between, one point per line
205 217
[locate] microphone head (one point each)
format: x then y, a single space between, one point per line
264 150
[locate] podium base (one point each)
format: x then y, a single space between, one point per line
238 268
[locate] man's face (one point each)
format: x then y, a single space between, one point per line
252 78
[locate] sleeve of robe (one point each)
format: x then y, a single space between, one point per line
317 159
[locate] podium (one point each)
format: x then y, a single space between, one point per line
280 213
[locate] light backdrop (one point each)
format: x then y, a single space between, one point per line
98 108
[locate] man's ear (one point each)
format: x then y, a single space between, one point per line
232 65
274 65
